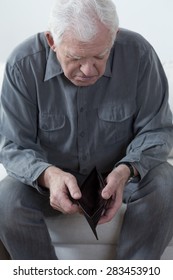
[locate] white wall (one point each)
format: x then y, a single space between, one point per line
152 18
20 19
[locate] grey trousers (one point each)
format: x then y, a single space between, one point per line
146 231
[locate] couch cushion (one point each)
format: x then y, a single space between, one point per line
168 67
1 73
73 238
168 253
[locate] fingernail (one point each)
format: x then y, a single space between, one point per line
76 195
106 195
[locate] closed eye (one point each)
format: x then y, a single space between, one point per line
99 57
73 58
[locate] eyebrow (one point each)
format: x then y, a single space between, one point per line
73 56
79 57
103 53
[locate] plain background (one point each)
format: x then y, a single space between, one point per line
152 18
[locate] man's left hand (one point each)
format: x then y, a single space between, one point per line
115 184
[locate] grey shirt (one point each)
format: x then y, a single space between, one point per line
46 120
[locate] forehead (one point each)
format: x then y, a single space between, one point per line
97 46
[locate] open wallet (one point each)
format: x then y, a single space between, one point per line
91 202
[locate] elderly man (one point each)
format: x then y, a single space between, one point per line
85 94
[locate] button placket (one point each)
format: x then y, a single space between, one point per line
82 130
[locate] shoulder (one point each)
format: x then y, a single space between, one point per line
31 48
131 40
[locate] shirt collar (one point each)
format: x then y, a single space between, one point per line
108 72
53 67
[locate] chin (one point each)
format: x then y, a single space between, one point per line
83 83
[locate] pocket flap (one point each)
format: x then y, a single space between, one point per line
51 122
115 113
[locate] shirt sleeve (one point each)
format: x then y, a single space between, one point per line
152 125
21 152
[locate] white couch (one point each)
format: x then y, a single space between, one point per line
78 242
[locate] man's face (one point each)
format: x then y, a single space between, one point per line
84 63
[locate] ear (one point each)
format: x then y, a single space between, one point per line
50 40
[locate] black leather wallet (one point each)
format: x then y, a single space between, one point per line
91 202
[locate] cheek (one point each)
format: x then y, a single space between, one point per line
70 69
101 67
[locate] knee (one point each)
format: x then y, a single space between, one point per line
9 202
162 175
17 201
160 181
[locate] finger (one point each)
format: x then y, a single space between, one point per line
66 207
73 188
60 201
109 189
112 207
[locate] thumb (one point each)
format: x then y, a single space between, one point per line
107 192
73 188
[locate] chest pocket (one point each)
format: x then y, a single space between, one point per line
52 128
115 123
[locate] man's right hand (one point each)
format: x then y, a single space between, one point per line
61 184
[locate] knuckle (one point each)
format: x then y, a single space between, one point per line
70 179
68 209
54 202
53 199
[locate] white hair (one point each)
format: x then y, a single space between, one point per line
81 17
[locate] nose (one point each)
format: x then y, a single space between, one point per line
88 69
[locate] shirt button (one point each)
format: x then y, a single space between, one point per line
82 134
84 158
81 109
